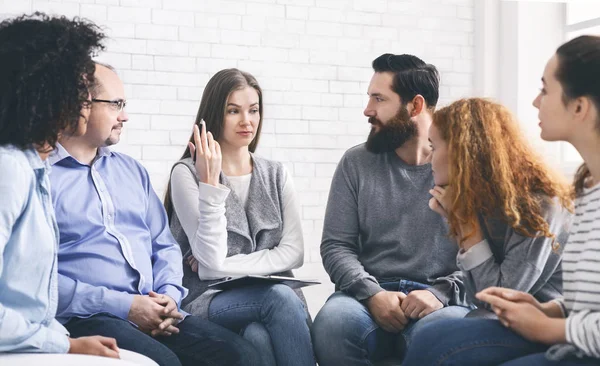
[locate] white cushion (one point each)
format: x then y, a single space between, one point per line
128 358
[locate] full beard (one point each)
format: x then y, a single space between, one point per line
393 134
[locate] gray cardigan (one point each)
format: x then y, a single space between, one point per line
257 226
508 259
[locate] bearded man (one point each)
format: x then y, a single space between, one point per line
389 255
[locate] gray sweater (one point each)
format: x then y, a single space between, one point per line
506 258
378 228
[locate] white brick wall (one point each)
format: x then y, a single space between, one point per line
312 58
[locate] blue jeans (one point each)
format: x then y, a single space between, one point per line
199 342
477 342
539 359
344 332
272 317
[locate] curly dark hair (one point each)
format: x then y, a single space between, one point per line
46 70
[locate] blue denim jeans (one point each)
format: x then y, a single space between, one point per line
477 342
199 342
346 326
272 317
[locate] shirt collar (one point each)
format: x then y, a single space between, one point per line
34 159
60 153
104 151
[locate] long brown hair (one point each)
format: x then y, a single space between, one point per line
579 75
493 171
213 106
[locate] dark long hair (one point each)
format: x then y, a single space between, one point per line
212 109
579 75
45 74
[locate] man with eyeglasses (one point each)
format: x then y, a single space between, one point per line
388 254
120 269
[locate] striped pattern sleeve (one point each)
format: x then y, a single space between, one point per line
581 275
583 331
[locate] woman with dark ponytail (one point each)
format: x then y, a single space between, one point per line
563 331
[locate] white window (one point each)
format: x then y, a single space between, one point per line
583 17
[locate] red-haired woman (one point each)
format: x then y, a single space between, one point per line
505 207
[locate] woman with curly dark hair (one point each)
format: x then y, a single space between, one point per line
46 71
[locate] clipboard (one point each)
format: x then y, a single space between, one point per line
250 280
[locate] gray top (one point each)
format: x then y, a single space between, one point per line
378 227
257 225
506 258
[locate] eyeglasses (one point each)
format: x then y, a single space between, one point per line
117 105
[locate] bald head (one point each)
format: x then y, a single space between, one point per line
102 74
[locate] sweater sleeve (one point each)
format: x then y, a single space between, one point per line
340 241
524 257
201 211
451 289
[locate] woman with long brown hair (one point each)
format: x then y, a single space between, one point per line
233 214
507 210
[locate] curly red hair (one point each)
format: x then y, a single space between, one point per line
493 170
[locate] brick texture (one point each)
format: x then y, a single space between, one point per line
312 58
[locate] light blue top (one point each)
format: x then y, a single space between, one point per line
115 240
28 248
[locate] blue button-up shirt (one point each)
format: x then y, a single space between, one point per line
28 247
115 240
